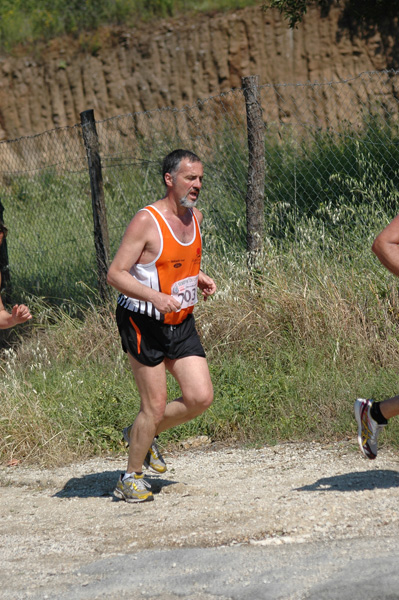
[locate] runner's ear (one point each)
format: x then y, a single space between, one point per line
168 180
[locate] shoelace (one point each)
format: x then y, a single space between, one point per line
145 483
140 483
154 450
369 433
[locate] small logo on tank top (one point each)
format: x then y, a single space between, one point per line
177 263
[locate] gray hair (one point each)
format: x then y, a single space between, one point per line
171 162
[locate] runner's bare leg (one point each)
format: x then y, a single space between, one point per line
155 414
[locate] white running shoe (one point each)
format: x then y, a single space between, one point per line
368 429
133 489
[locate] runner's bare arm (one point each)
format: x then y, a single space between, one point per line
386 246
206 285
140 243
19 314
199 215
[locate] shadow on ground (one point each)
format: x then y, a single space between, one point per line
96 485
367 480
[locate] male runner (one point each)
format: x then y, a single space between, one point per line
157 272
372 416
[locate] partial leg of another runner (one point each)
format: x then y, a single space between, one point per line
372 417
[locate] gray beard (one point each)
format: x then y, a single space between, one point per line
188 203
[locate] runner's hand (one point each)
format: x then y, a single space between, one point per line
166 304
206 285
20 313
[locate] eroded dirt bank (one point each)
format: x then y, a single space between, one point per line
175 62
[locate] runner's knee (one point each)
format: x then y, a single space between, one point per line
202 399
207 399
156 409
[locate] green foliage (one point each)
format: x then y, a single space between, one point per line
25 21
224 192
318 191
371 11
287 356
292 10
328 181
60 218
287 359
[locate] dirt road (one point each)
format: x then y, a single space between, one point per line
56 522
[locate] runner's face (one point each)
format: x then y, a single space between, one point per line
187 182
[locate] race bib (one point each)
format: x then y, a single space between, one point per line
185 291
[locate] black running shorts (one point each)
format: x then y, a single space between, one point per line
150 341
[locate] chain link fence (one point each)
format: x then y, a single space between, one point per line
333 160
332 164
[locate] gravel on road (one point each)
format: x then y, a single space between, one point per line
57 521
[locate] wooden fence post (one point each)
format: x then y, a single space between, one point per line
4 268
256 170
101 239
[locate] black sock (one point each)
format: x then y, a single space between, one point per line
376 414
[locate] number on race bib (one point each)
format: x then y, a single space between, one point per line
185 291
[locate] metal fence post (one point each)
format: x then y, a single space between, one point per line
101 239
256 169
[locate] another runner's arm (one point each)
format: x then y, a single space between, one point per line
138 241
386 246
19 314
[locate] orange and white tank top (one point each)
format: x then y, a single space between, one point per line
174 271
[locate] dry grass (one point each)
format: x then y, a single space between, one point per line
288 353
313 305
